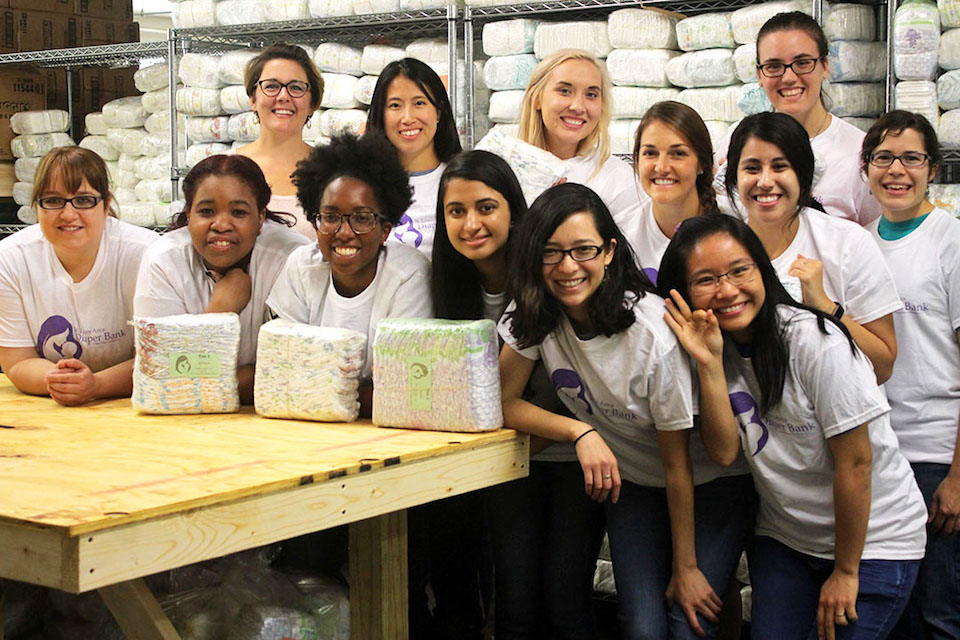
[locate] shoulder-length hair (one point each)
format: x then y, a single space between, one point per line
894 123
537 312
71 166
771 353
455 280
283 51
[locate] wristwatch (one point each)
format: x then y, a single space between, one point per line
838 311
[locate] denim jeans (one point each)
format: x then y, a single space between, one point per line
786 592
642 551
933 612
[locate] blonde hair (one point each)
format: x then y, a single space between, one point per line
71 166
531 119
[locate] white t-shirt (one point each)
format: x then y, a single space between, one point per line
290 204
644 235
419 224
615 183
173 280
401 289
924 391
352 313
493 304
42 307
854 271
827 391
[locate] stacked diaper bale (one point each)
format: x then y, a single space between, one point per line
857 64
536 170
948 85
187 14
336 8
439 375
199 100
308 373
916 45
342 111
945 196
37 132
186 364
509 45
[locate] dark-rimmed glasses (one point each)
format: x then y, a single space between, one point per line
583 253
360 222
800 67
908 159
55 203
295 88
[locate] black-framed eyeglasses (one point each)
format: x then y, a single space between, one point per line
736 276
55 203
908 159
359 221
295 88
800 67
583 253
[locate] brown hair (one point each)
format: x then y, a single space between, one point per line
292 52
894 123
70 166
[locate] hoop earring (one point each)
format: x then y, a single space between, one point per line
256 118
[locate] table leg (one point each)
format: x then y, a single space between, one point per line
137 612
378 577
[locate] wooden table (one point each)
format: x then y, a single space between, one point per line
97 497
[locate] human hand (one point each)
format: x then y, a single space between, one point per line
810 274
71 383
231 291
690 590
838 600
944 516
698 331
601 475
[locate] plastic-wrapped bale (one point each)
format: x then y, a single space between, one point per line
156 76
622 135
24 169
949 13
588 36
127 162
138 213
124 195
857 61
197 152
705 68
949 57
753 99
916 40
153 190
418 5
207 129
863 124
234 99
156 101
536 169
338 91
505 106
509 37
194 13
361 7
428 50
197 101
945 196
949 130
94 124
124 179
337 58
159 123
918 96
200 70
439 375
706 31
638 67
377 56
112 172
713 103
308 373
745 62
334 121
633 102
46 121
746 22
243 126
101 146
948 90
718 130
33 145
230 66
509 72
22 192
164 211
850 22
242 11
363 92
641 29
153 168
288 10
27 215
186 364
125 113
127 140
855 98
330 8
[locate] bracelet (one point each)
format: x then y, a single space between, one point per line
583 434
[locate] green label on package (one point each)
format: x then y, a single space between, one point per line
419 382
194 365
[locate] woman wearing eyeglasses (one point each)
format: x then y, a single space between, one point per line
285 89
67 284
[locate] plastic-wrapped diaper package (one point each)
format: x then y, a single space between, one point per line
234 99
747 21
126 113
197 152
138 213
505 106
242 11
439 375
124 179
418 5
153 190
706 31
849 22
633 102
230 66
22 192
945 196
125 195
159 100
949 13
334 121
130 140
509 37
948 90
100 146
186 364
164 211
244 127
33 145
753 99
126 161
705 68
94 124
638 67
588 36
363 92
428 50
361 7
196 101
376 56
622 135
509 72
338 91
337 58
713 103
641 29
200 70
26 168
852 61
153 144
194 13
745 62
308 373
27 215
112 172
159 123
855 98
280 10
47 121
209 129
153 168
863 124
718 130
916 40
330 8
918 96
156 76
949 130
949 57
537 170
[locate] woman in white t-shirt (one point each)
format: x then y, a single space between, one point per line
566 111
921 243
677 522
222 254
840 531
830 264
66 286
411 109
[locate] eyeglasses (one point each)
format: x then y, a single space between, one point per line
583 253
908 159
800 67
295 88
360 222
736 276
55 203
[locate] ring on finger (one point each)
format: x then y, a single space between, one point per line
607 476
840 615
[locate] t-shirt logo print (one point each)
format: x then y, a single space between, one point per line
742 402
57 340
400 232
569 385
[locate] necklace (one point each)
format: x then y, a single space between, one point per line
826 114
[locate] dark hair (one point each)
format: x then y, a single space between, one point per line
894 123
788 135
446 143
537 312
455 280
794 21
370 159
688 123
283 51
71 166
240 167
771 353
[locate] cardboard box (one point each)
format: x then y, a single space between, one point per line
119 82
21 89
7 178
38 30
8 31
94 31
110 9
55 81
49 6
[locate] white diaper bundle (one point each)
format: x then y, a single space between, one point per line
377 56
509 37
338 91
22 192
232 64
746 22
234 99
854 98
713 103
948 90
706 31
337 58
852 61
844 21
536 169
207 129
334 121
242 11
197 152
156 76
633 102
101 146
198 101
704 68
243 127
509 72
745 62
639 67
156 100
753 99
94 124
916 40
363 92
588 36
918 96
26 168
125 113
46 121
32 145
200 70
622 135
949 56
194 13
505 106
641 29
949 130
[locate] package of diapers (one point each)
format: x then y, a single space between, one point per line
308 373
863 124
439 375
857 99
128 140
705 68
633 102
509 72
242 11
22 192
234 99
197 152
199 70
159 100
243 127
916 40
101 146
334 121
505 106
588 36
849 22
197 101
949 13
231 65
138 213
94 125
945 196
26 168
361 7
377 56
746 22
46 121
639 67
124 179
948 90
207 129
622 135
509 37
159 123
126 113
745 62
153 168
126 161
536 169
338 91
152 190
428 50
281 10
706 31
194 13
337 58
363 92
753 99
713 103
330 8
156 76
27 215
186 364
34 145
641 29
718 130
123 195
918 96
154 144
852 61
949 130
949 56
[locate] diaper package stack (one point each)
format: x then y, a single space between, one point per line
948 84
37 132
537 170
916 47
308 373
857 64
439 375
510 47
186 364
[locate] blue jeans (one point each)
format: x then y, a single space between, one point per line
786 593
642 551
933 612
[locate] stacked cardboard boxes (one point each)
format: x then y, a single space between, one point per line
32 25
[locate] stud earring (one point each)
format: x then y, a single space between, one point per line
256 117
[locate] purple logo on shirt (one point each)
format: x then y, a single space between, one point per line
57 341
568 383
651 274
742 402
399 232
